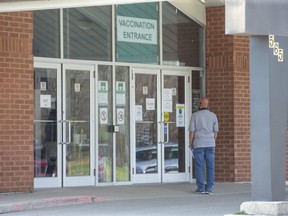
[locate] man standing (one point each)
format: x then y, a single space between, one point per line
203 130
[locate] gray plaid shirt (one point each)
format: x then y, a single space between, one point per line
203 123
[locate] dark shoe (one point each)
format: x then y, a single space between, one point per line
209 192
199 191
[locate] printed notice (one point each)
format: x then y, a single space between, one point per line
180 115
167 94
43 86
150 103
167 106
45 101
174 91
138 113
103 115
77 87
120 116
103 92
120 93
145 90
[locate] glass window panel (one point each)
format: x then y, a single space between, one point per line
137 33
46 38
88 33
123 120
146 125
197 88
45 123
174 152
182 39
105 120
78 112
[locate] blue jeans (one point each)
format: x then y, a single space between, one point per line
206 155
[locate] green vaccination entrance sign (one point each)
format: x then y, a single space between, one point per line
136 30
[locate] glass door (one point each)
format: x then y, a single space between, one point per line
47 134
113 125
160 121
175 119
77 125
147 148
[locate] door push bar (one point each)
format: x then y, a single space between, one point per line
69 132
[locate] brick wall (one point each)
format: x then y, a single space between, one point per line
16 102
228 89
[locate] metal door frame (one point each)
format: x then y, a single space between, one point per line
144 178
161 176
178 177
50 182
78 180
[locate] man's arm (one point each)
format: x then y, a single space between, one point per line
191 137
215 135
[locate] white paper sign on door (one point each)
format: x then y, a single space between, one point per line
43 86
167 94
77 87
150 103
145 90
104 115
174 91
120 116
103 92
45 101
120 93
138 113
167 106
180 115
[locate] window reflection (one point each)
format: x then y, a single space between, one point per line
105 112
197 89
45 123
46 37
182 38
123 120
88 33
78 112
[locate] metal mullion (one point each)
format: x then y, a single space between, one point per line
114 122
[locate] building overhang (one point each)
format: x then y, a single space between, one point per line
30 5
257 17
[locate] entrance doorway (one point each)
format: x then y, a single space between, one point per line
161 99
113 125
82 125
64 138
77 125
86 116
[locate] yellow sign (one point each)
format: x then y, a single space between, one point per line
166 116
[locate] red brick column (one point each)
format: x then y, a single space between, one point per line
16 102
227 68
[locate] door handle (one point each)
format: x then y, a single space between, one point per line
161 134
69 132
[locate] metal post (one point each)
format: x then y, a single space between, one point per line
268 82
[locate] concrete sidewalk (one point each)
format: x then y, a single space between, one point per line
43 198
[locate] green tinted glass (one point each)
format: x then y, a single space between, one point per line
137 33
